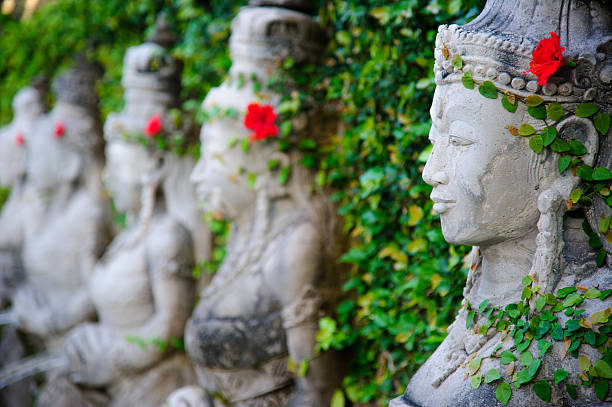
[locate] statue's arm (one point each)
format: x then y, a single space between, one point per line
296 273
170 259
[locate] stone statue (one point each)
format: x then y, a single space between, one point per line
493 192
28 108
65 222
142 288
262 307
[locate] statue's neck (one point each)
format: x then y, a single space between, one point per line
502 269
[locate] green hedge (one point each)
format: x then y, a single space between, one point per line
406 282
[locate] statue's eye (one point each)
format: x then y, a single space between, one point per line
459 141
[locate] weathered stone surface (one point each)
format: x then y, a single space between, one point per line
277 278
493 192
142 288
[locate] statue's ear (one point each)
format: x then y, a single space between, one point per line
583 130
576 128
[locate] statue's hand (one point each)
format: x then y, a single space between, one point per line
33 313
89 349
189 396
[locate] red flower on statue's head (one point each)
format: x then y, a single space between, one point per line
260 119
154 126
19 138
546 58
59 130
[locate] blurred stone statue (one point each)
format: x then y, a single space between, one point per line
28 108
142 288
65 222
261 310
493 192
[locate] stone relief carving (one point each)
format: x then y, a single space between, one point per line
263 304
494 193
64 214
142 288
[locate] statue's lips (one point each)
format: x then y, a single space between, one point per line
441 204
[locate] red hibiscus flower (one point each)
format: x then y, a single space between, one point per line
59 130
260 119
154 126
546 58
19 138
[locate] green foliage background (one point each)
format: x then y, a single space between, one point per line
405 284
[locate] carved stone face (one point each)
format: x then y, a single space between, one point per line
126 166
486 181
50 163
218 175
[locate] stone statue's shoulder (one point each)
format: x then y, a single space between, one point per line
169 242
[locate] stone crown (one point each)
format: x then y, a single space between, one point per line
150 66
496 48
267 35
305 6
77 84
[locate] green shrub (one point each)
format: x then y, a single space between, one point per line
406 283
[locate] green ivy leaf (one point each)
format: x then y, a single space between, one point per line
571 390
252 177
577 148
601 174
542 390
559 145
467 80
543 346
526 358
527 281
474 365
457 61
469 319
560 375
575 195
476 380
603 369
602 123
503 392
526 129
507 357
548 135
509 106
601 257
555 111
564 163
572 300
537 112
338 399
536 143
586 110
303 368
564 292
533 100
283 176
601 389
540 303
488 90
593 292
285 128
585 172
492 375
483 305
